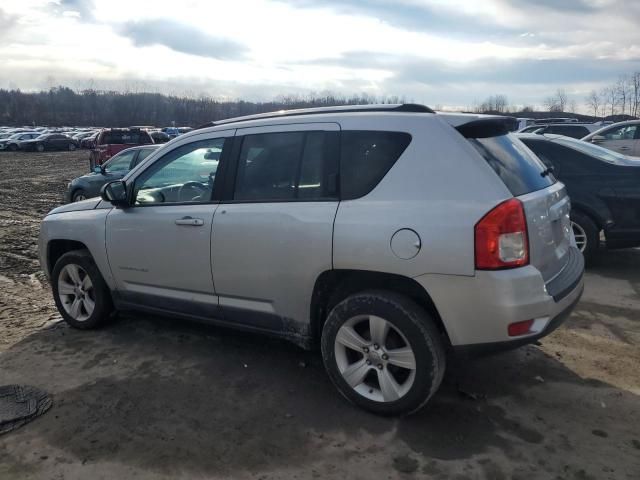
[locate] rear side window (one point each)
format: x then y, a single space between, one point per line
572 131
519 169
366 157
124 137
283 166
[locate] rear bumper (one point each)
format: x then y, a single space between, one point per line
476 311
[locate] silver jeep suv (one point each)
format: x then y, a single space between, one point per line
387 234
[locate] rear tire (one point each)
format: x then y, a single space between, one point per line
383 352
587 235
72 147
81 294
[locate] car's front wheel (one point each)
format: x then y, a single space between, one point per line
81 294
79 195
40 147
383 352
72 147
13 147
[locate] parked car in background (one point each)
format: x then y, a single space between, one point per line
524 122
433 233
543 121
89 185
573 130
159 136
604 188
48 141
622 137
12 142
89 140
173 132
112 140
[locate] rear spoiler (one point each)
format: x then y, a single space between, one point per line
488 127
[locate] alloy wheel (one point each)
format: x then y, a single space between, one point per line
580 236
375 358
76 292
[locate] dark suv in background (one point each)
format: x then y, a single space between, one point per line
113 140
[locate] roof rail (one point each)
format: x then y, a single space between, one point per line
388 107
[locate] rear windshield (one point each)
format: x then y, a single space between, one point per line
125 137
520 170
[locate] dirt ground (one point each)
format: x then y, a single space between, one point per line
159 398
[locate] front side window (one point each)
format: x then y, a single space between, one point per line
120 163
184 175
627 132
282 166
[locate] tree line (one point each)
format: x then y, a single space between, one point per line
62 106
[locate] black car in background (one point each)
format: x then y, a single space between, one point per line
49 141
88 186
604 187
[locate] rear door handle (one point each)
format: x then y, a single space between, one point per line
194 222
625 148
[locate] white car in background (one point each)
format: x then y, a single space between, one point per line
623 137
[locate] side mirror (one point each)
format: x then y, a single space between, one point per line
98 169
598 139
115 193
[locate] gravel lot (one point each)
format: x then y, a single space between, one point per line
159 398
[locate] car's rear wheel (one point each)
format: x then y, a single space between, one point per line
586 233
79 195
40 147
81 294
72 147
383 352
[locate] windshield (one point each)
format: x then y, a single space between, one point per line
592 150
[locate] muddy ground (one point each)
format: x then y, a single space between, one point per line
159 398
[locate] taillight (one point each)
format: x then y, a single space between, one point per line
501 237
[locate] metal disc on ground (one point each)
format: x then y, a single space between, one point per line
19 404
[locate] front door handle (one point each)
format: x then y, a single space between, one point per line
625 148
194 222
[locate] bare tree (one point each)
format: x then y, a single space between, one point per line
610 100
593 101
635 94
561 98
623 92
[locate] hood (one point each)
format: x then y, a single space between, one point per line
87 176
88 204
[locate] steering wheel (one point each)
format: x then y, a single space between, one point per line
190 190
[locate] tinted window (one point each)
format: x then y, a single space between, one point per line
565 160
366 157
144 153
518 168
185 174
125 137
282 166
568 130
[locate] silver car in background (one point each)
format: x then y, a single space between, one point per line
386 234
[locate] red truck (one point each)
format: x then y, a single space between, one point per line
112 140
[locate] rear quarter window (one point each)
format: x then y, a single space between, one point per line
518 168
366 157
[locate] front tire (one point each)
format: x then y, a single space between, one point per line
79 195
81 294
72 147
40 147
587 235
13 147
383 352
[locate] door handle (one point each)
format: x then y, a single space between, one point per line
194 222
624 148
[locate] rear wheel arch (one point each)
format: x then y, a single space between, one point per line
333 286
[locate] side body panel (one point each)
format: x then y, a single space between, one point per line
439 188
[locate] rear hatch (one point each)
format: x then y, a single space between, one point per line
545 200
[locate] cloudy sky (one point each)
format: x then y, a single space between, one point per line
438 52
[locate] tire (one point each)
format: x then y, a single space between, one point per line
98 294
13 147
408 325
72 147
78 195
40 147
586 228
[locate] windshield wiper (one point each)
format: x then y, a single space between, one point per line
546 172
